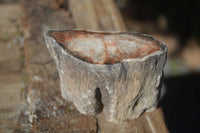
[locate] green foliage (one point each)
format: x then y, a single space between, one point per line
68 109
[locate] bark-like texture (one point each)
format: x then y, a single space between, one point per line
124 86
47 111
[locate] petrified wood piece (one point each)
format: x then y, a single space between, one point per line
117 72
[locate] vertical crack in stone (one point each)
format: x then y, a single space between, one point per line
98 97
98 127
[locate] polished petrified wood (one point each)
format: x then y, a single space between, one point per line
118 73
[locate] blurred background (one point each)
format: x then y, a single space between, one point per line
177 23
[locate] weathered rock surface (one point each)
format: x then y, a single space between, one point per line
117 72
149 122
47 110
